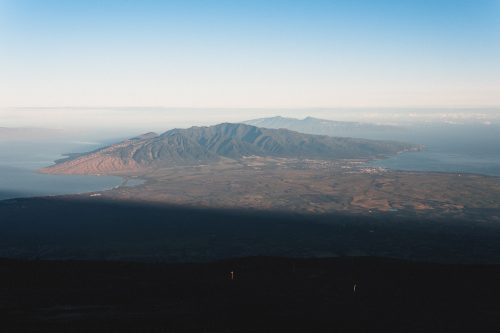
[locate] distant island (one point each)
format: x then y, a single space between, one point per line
201 145
311 125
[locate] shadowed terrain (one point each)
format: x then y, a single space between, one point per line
93 228
261 295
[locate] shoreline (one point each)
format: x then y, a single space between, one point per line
121 181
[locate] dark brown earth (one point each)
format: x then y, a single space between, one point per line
312 186
94 228
266 295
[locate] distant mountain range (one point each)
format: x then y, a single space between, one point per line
198 145
318 126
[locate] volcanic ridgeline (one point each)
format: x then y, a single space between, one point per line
311 125
200 145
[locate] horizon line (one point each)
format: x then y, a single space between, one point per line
256 108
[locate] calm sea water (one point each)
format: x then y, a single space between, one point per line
449 148
20 160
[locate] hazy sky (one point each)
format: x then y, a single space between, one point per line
250 53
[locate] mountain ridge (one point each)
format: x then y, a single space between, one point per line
318 126
207 144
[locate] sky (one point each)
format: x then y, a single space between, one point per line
249 54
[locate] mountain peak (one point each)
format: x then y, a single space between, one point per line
145 136
197 145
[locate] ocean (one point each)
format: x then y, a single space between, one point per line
457 148
19 162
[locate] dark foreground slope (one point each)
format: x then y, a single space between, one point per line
96 229
266 295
